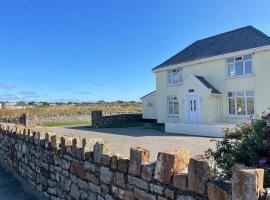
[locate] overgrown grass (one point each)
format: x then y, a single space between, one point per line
125 124
156 126
74 109
53 124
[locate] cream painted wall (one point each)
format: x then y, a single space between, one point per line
215 73
149 112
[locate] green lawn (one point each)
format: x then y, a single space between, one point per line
51 124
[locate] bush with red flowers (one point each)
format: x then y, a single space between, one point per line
247 144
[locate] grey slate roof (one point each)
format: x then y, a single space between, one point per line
237 40
148 94
208 85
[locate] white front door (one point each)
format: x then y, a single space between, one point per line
192 109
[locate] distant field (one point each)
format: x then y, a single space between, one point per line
75 109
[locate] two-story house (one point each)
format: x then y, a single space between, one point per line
223 79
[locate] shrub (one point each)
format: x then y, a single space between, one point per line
246 144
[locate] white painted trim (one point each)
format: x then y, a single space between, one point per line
186 106
173 114
238 53
210 130
244 67
149 95
246 116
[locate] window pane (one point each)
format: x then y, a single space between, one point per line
239 70
250 105
238 59
230 60
176 107
248 57
240 94
248 67
232 106
231 94
170 75
170 107
176 76
231 71
241 108
250 93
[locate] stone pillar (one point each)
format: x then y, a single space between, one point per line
247 183
138 157
96 118
198 174
28 120
170 162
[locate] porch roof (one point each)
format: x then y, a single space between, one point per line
208 85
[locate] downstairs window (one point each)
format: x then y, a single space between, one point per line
241 103
173 105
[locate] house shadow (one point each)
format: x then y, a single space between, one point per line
131 131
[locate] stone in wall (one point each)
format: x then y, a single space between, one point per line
247 183
170 162
138 157
215 191
198 174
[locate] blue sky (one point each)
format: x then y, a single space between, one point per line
88 50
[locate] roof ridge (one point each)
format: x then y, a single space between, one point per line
262 34
245 27
201 48
202 40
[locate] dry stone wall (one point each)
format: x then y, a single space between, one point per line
102 121
16 119
64 118
71 168
43 119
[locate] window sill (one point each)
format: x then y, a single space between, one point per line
176 84
243 76
173 115
238 116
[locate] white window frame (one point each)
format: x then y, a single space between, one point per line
170 73
235 102
244 66
174 99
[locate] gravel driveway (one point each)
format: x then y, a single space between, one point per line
121 139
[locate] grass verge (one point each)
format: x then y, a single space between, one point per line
52 124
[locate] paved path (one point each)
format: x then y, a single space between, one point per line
12 188
121 139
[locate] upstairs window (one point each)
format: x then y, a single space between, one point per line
239 66
241 103
175 76
173 105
